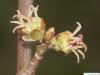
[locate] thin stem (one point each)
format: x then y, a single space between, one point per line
23 5
26 65
31 68
23 48
41 49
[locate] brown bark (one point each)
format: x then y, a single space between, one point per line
32 67
23 48
26 65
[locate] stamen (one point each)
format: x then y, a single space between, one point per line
21 26
83 55
16 22
78 58
77 29
18 12
84 46
35 9
15 16
30 11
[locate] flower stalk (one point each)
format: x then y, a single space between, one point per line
32 67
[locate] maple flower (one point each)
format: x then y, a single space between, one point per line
32 27
67 42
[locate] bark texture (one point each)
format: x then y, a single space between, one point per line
32 67
23 48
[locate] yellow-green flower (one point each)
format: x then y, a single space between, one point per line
32 27
68 42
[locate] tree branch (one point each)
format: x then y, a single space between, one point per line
31 68
23 48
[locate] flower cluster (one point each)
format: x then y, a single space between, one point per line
68 42
33 29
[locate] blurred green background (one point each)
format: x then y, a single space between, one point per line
62 14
